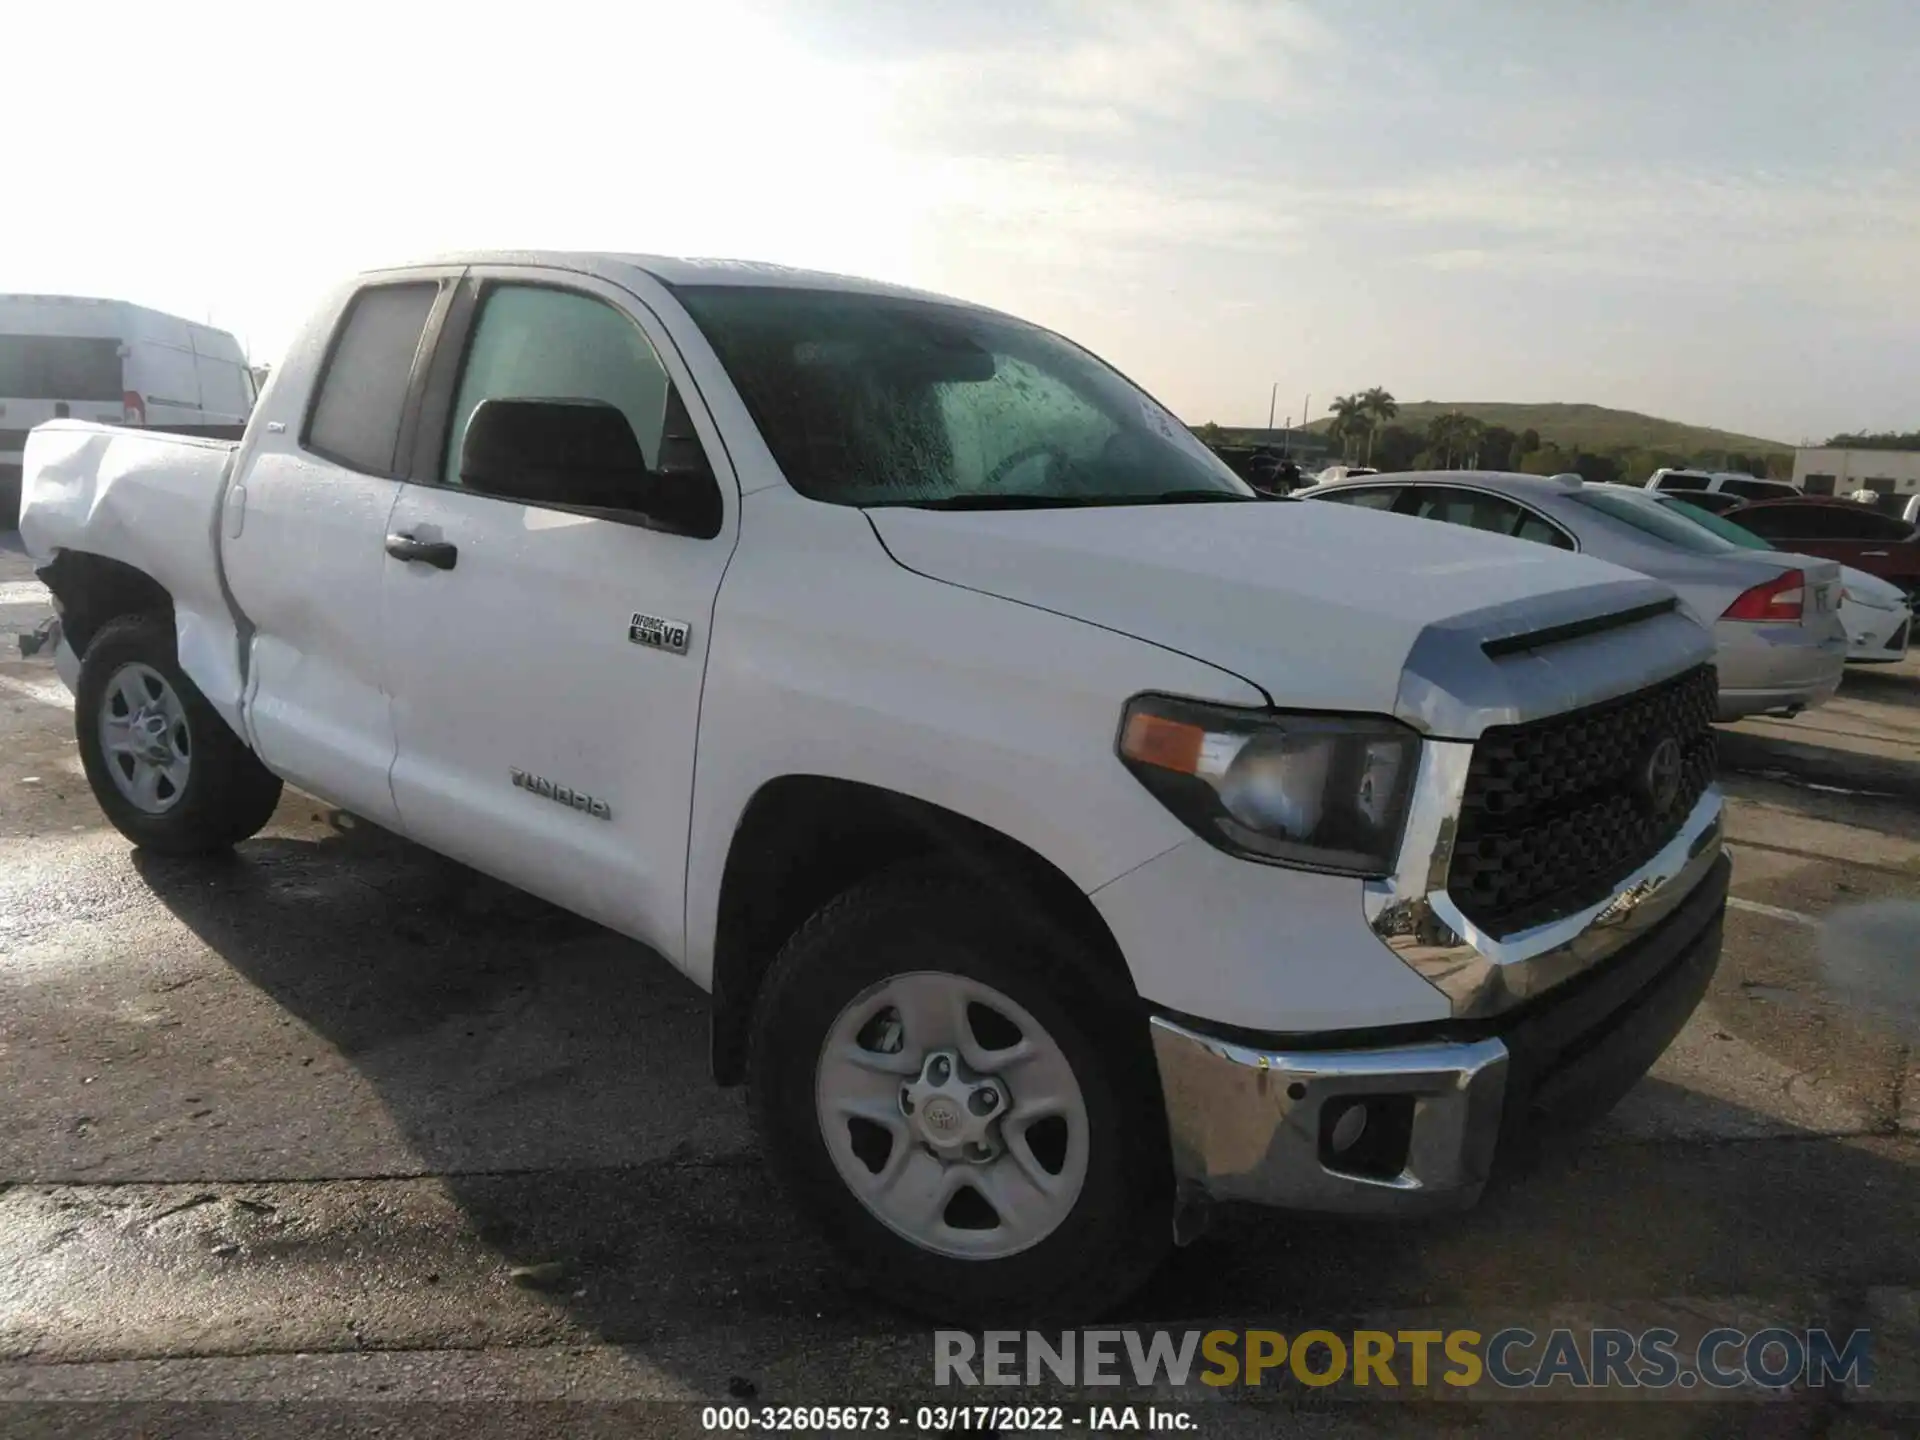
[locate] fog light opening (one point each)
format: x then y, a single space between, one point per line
1367 1135
1348 1129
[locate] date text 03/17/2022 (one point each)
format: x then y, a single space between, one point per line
984 1419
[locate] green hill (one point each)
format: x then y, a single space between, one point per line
1590 427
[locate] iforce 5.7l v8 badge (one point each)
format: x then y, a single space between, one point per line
659 634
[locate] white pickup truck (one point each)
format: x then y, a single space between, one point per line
1068 838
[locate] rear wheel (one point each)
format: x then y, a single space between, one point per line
167 770
956 1092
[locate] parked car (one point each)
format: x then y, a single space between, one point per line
1855 535
1876 615
1717 502
1722 482
1332 473
1780 645
912 681
66 356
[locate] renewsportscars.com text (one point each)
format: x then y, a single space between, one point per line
1384 1360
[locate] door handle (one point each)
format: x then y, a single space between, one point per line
437 553
1873 554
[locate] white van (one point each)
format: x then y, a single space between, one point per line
66 356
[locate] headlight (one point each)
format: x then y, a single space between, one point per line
1322 792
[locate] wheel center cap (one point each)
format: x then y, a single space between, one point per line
953 1110
149 729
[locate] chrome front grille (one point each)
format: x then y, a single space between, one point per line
1557 811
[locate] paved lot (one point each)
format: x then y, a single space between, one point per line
284 1128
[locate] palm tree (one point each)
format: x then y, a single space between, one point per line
1379 407
1454 435
1349 419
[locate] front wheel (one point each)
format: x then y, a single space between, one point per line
167 770
954 1090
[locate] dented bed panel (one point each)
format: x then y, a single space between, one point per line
152 501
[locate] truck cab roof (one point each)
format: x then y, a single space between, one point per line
676 271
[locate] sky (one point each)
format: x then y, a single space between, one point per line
1702 209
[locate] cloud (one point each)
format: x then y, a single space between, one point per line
1111 69
1471 259
1048 207
1851 241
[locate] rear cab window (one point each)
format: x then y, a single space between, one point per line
354 419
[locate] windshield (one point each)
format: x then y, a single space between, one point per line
1652 517
877 400
1719 525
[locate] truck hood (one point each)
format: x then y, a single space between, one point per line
1318 605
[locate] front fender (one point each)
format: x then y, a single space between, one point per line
830 660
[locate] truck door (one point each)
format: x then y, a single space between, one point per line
303 539
546 635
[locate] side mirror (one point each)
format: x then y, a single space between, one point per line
581 454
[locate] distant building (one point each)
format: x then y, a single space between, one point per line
1822 470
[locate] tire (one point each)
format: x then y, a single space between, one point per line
915 932
212 794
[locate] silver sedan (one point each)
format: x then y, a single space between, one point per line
1775 618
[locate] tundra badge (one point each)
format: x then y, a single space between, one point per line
659 634
560 794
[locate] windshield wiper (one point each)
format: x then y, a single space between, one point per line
985 502
1187 497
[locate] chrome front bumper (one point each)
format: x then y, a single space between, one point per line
1249 1122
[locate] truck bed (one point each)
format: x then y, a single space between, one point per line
150 500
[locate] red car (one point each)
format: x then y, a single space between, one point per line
1843 530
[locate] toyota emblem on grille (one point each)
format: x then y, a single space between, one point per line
1659 778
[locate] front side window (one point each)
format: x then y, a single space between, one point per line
536 343
356 412
880 400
